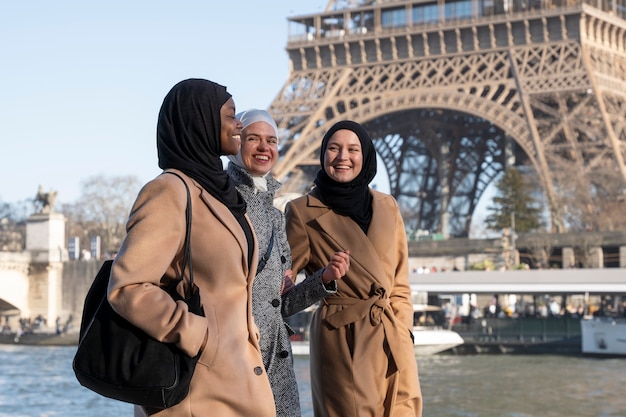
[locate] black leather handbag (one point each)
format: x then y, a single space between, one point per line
120 361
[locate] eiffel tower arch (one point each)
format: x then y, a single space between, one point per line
454 92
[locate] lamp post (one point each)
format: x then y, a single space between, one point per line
513 234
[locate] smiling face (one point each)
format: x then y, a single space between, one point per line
259 148
343 158
231 129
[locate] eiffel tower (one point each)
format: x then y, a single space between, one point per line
454 92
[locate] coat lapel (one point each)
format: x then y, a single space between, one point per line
381 232
346 234
223 214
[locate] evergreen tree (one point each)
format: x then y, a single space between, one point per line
514 195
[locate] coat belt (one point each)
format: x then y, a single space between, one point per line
379 310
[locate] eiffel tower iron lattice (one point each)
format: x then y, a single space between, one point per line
454 92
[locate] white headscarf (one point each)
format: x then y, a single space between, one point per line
247 118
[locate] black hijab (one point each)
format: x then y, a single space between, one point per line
352 198
188 138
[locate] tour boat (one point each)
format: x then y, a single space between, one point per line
430 336
603 336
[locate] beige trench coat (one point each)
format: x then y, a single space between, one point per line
362 358
229 379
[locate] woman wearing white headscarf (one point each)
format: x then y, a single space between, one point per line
249 170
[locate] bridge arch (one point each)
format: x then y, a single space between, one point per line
14 282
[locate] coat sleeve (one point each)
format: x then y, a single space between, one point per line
152 249
306 293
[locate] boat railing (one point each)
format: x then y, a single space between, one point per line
520 329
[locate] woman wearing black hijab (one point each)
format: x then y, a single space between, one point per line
362 358
196 125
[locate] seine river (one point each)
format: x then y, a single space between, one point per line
39 382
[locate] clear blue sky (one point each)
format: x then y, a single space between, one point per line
81 82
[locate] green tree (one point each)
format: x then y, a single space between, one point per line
514 199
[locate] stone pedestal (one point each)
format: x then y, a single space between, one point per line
622 256
597 257
45 242
45 237
569 258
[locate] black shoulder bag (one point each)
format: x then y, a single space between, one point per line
119 361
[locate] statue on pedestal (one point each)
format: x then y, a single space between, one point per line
44 202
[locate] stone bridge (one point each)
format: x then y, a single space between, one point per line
14 282
30 289
32 280
50 290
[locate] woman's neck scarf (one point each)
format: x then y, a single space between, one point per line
352 198
188 138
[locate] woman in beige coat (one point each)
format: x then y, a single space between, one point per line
362 359
196 125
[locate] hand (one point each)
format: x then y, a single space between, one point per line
338 266
287 282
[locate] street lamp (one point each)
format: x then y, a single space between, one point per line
513 235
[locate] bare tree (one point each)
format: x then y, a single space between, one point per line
593 202
586 251
102 209
540 247
13 226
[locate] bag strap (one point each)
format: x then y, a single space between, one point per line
187 257
266 257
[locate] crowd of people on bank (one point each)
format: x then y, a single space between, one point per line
27 325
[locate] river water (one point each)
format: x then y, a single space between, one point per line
39 382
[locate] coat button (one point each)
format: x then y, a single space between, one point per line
275 302
283 259
283 354
258 370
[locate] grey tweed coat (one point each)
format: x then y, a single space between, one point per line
268 307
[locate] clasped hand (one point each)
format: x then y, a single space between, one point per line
337 267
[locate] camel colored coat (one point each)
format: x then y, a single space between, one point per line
229 379
362 358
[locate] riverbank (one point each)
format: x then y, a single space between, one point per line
40 339
569 347
522 335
